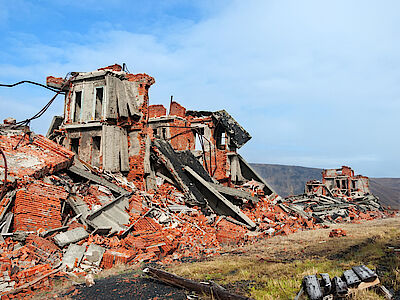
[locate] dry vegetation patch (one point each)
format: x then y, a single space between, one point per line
274 268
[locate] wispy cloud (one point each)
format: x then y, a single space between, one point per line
314 82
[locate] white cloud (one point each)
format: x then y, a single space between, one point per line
314 82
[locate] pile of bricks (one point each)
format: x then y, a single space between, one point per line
38 206
337 232
160 226
32 156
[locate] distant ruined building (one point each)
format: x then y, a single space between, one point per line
339 182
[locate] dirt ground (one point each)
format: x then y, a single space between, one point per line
267 269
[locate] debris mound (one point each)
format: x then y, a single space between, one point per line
118 181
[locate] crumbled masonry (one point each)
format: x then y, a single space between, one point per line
117 180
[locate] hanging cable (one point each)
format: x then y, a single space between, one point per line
43 110
28 81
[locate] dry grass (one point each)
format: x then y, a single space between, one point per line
275 267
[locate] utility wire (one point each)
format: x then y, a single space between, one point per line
43 110
26 122
31 82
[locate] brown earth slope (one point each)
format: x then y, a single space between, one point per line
290 180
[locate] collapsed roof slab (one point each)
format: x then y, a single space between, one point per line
250 174
31 155
112 215
239 136
97 179
171 161
217 202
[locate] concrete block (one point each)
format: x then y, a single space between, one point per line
75 235
74 254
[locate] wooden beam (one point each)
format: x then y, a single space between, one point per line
211 289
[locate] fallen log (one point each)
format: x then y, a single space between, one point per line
208 288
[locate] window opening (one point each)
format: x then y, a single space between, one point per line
78 106
99 103
96 150
75 145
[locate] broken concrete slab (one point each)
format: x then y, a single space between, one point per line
112 215
7 223
239 136
94 255
73 256
250 174
97 179
234 192
217 202
72 236
170 159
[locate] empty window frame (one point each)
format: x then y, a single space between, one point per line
96 144
344 184
99 100
74 144
78 106
354 184
221 140
338 184
198 133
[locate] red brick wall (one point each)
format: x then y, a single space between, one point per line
157 110
176 109
219 169
136 162
114 67
181 138
38 206
145 81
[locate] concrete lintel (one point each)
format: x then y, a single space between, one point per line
97 179
83 125
234 192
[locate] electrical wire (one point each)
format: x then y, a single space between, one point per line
43 110
28 81
26 122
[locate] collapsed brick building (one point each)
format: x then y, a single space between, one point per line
109 124
117 180
341 195
339 182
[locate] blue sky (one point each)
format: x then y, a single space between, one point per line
316 83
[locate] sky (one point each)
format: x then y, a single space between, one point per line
316 83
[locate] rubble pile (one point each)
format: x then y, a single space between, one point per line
340 197
117 181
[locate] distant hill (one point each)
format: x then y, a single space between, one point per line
290 180
387 189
